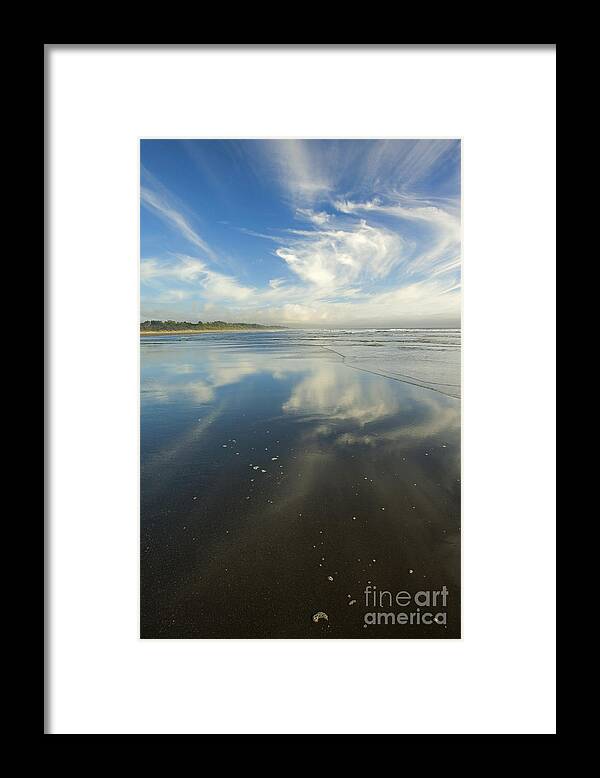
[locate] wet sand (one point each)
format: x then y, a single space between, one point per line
280 479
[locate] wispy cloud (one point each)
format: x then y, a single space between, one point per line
299 169
333 259
316 217
312 171
194 272
161 202
439 238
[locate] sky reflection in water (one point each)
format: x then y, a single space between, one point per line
269 465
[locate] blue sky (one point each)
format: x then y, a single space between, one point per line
304 233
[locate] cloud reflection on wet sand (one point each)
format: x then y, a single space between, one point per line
357 468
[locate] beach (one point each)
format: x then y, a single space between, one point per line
288 478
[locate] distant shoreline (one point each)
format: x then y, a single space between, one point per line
216 329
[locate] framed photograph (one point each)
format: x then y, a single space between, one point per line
301 417
300 388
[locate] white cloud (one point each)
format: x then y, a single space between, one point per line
332 259
160 201
316 217
299 169
440 237
191 270
310 171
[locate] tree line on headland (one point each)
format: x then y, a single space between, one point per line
155 325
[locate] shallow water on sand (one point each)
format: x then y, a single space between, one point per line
283 473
